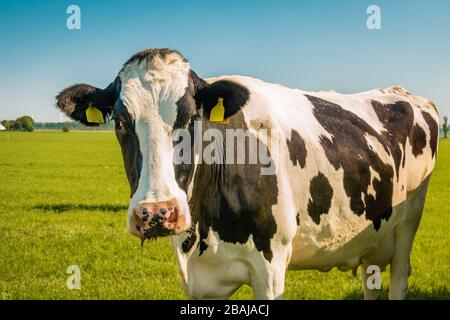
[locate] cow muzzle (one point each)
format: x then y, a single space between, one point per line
159 219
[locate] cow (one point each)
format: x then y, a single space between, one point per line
347 189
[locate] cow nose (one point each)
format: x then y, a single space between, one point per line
161 218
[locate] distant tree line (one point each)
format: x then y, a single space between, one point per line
25 123
72 125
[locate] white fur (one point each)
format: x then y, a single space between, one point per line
150 90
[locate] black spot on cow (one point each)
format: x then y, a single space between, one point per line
349 150
418 140
397 119
297 149
190 240
202 246
321 195
434 131
234 200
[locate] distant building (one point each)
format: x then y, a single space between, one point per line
2 127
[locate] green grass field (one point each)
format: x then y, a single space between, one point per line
63 201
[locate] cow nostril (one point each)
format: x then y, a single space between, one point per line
163 210
145 214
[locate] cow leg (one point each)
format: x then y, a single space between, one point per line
400 266
211 289
369 294
210 281
404 237
267 279
268 285
400 263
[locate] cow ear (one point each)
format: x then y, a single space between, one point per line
222 99
87 104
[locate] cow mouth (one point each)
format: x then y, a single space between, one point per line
159 224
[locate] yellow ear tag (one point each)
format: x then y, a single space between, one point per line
93 115
218 112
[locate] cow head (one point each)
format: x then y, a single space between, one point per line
154 93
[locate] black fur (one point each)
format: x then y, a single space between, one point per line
234 95
187 106
397 119
321 195
418 140
297 149
223 196
349 150
129 144
434 131
233 200
75 99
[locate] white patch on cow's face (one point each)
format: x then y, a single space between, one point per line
150 91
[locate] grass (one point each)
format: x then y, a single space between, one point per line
63 201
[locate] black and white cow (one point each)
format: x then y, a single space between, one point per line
348 188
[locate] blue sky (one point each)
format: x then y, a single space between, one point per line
311 44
